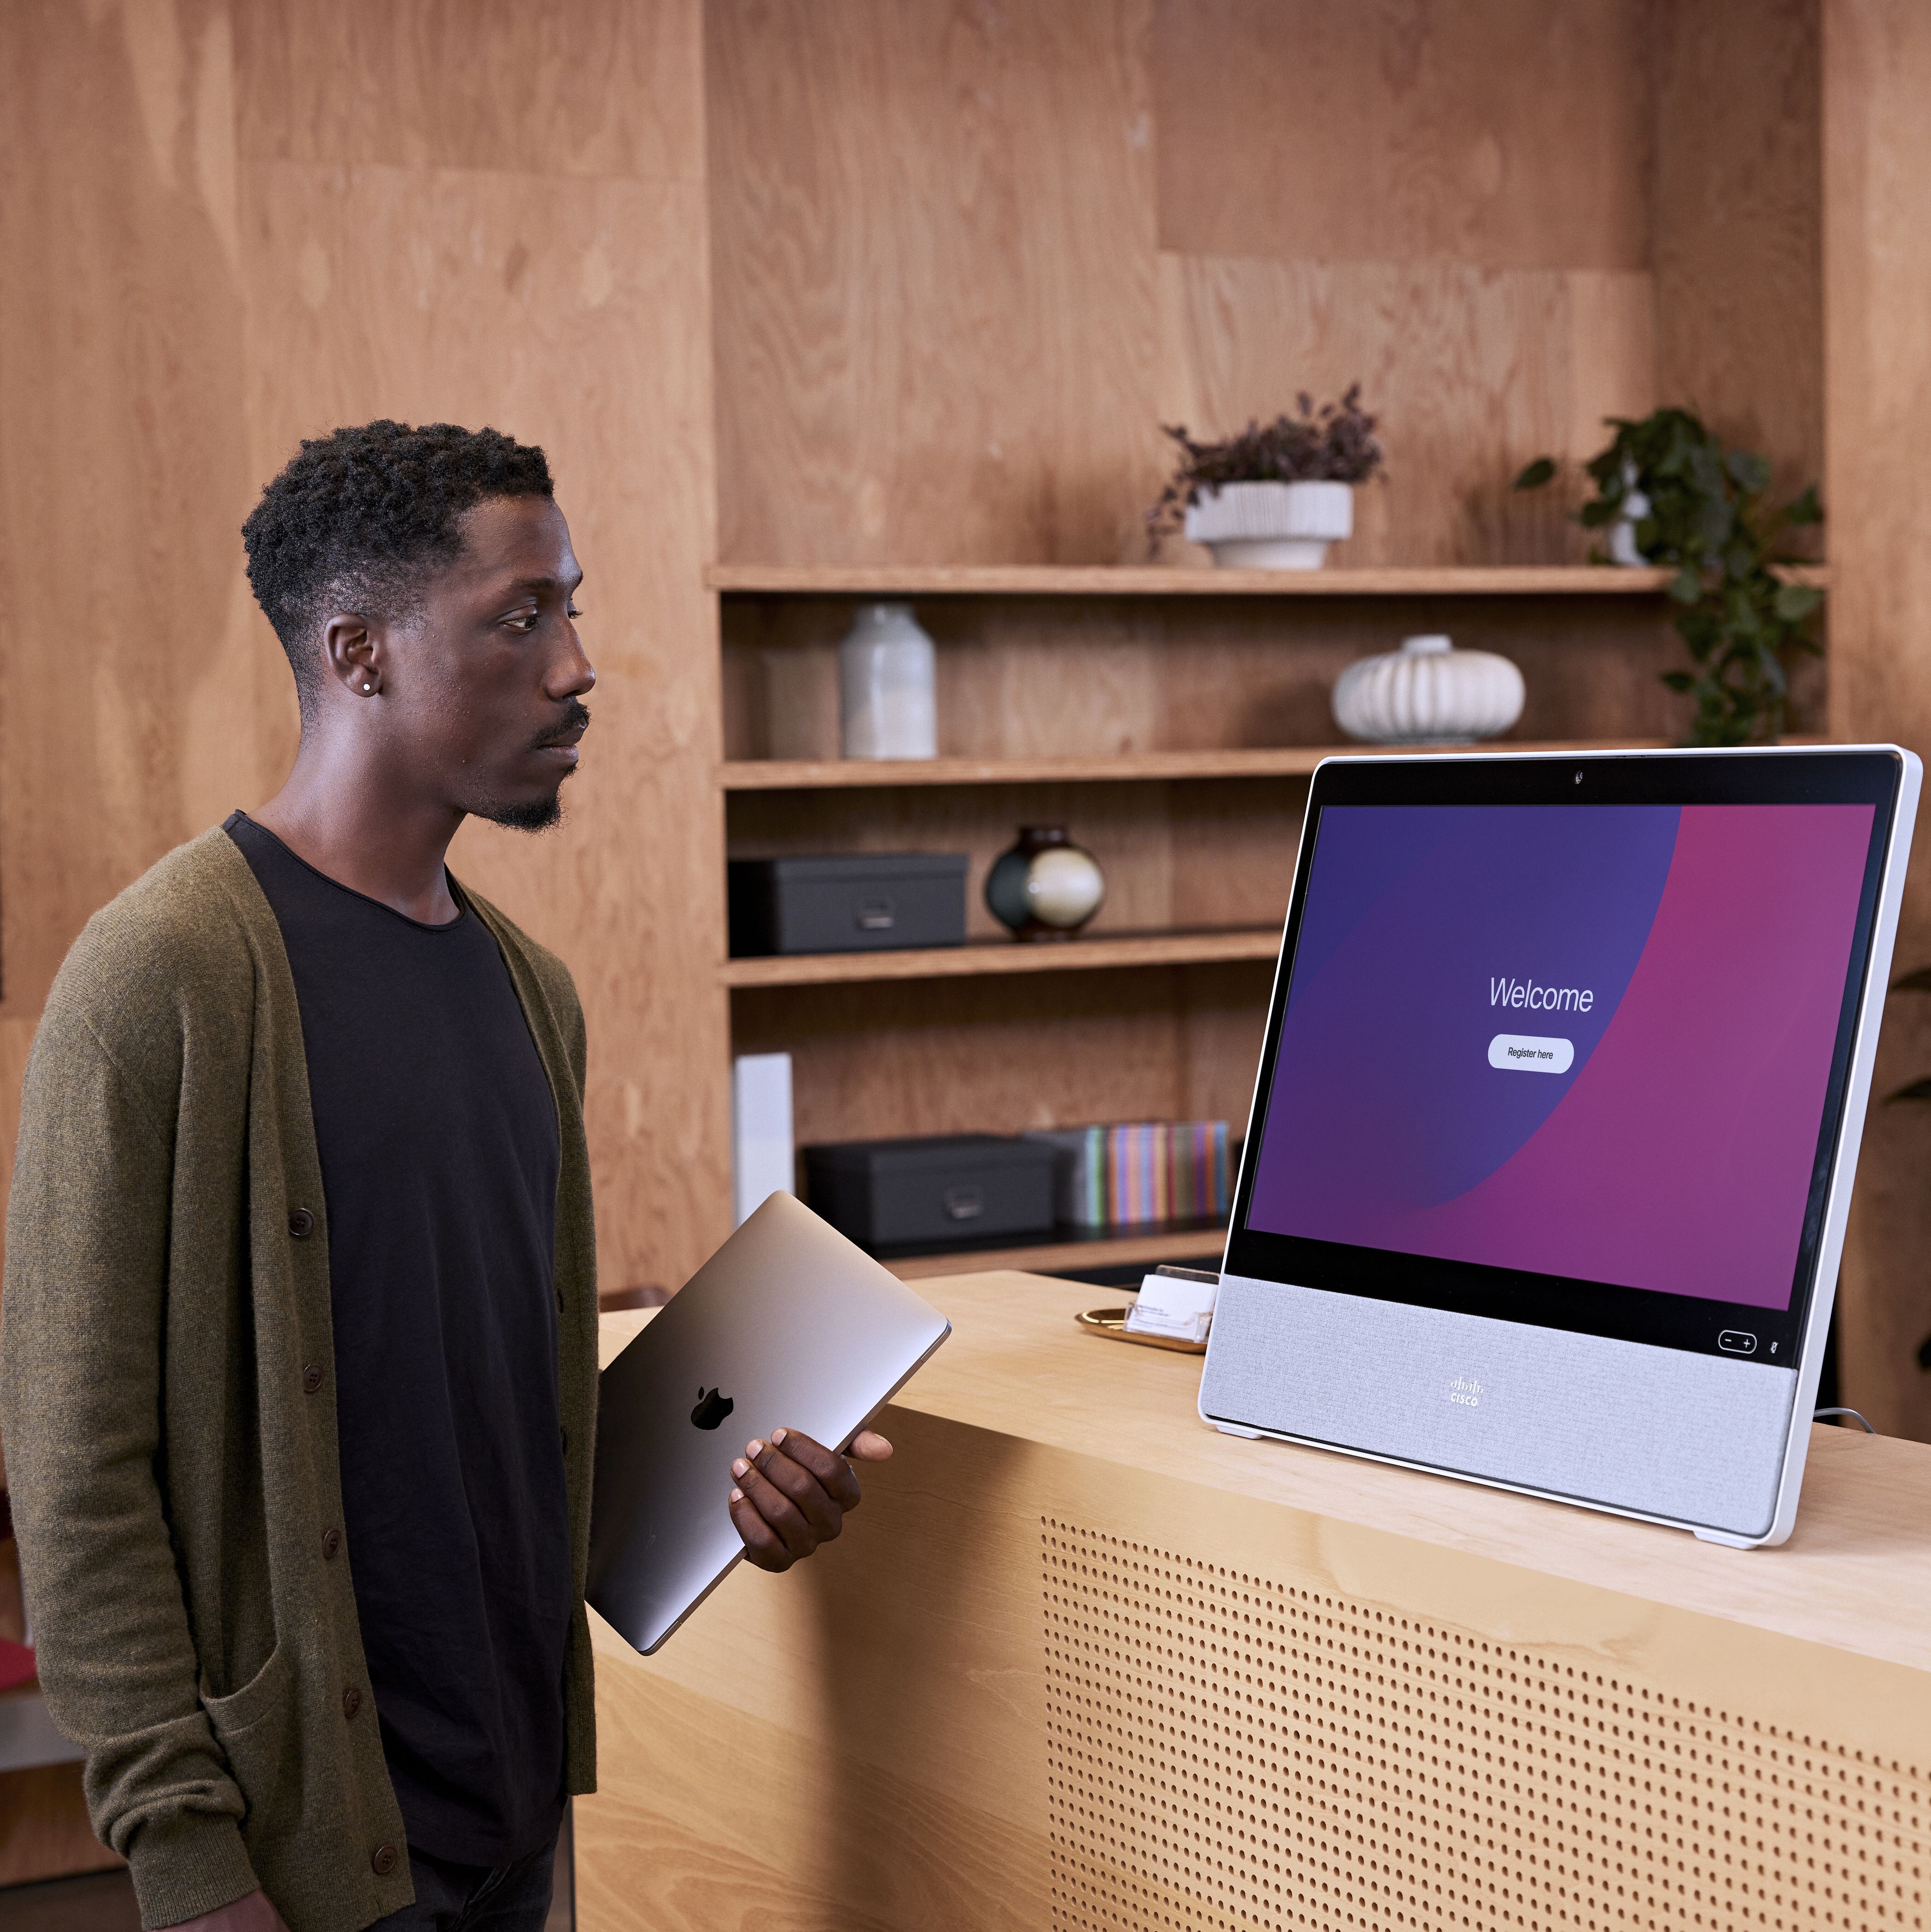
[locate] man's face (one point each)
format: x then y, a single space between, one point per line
484 684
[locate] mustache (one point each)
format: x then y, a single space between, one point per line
575 718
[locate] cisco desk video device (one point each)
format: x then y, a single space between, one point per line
1552 1146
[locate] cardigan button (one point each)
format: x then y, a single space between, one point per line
331 1541
351 1702
311 1378
384 1862
300 1223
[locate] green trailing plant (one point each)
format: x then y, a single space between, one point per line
1919 981
1699 510
1917 1091
1334 444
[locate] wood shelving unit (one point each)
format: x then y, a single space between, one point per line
1129 580
1117 580
1115 768
1159 1013
1005 956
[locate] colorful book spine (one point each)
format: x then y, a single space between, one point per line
1141 1173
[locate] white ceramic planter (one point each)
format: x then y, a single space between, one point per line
1272 526
1622 549
1428 693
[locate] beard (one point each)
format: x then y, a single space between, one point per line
539 813
531 814
527 815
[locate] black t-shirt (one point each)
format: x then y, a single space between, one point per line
437 1132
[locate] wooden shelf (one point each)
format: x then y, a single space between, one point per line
1152 1246
1118 767
1053 580
1005 956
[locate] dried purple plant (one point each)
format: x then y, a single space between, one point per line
1335 444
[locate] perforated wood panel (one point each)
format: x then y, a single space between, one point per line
1227 1749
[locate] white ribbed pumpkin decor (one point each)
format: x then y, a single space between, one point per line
1428 693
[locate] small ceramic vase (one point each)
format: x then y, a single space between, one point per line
1428 693
887 667
1046 887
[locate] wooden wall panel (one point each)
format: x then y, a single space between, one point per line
942 334
495 85
932 237
1739 226
1877 79
135 699
1506 134
1473 372
596 349
270 223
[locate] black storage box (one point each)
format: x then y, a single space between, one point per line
858 902
933 1191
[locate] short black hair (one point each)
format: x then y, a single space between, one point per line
357 514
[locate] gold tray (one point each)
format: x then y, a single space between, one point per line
1111 1322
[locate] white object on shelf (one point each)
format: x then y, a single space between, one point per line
888 670
1170 1305
1428 693
1622 549
763 1161
1272 526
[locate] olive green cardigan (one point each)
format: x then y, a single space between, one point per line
167 1400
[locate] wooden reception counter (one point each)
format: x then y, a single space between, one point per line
1081 1662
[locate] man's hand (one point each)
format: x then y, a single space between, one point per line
252 1914
792 1493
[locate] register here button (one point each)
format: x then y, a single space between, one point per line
1527 1055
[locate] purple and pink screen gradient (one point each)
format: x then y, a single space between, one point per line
1676 1153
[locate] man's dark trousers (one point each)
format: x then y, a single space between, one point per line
476 1898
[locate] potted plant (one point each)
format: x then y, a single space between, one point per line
1671 495
1274 497
1915 1092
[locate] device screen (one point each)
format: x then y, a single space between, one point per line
1592 1043
1586 1040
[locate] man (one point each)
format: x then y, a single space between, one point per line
297 1370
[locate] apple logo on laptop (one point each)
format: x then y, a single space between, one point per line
711 1409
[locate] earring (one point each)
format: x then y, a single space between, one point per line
368 687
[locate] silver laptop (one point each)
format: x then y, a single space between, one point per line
1551 1153
787 1326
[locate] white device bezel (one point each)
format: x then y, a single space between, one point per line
1849 1137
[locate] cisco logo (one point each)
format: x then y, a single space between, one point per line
1467 1392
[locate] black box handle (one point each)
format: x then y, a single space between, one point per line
965 1204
